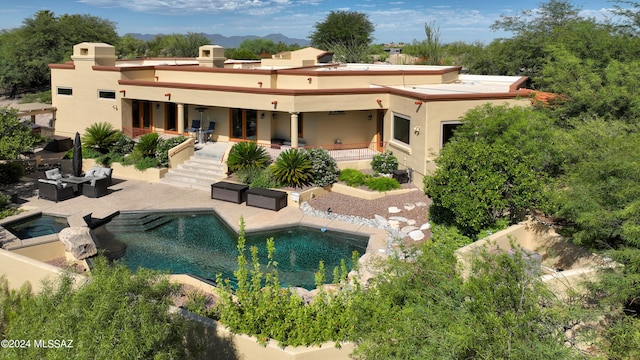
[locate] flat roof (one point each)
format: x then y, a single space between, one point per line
466 84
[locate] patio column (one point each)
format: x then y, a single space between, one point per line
180 118
294 129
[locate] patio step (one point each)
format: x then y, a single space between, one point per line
131 222
204 168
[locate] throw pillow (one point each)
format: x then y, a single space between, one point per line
89 173
52 174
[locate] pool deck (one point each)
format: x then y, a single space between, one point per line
127 195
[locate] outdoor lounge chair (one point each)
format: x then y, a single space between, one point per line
96 188
54 190
211 129
195 126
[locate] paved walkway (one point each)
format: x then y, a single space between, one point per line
142 195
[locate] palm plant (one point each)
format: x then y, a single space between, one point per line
293 168
247 155
147 145
100 136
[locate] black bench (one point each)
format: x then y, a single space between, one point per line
226 191
267 198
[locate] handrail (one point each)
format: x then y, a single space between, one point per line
183 145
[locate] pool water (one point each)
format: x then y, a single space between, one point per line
202 244
35 226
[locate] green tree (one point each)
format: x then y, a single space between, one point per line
43 39
260 47
129 47
16 136
342 29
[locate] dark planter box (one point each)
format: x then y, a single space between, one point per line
401 175
226 191
266 198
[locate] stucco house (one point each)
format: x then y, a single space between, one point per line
297 98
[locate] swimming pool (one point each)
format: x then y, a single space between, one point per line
200 243
36 225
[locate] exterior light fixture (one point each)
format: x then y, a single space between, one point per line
274 102
123 92
418 102
168 95
260 83
309 80
157 77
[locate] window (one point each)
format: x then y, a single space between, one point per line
401 128
65 91
107 94
448 129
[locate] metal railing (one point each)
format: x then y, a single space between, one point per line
339 152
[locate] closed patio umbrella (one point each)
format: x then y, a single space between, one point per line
77 156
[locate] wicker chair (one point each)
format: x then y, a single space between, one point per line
50 190
96 188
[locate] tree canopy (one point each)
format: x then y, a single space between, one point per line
342 28
16 136
43 39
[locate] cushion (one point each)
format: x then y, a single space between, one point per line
107 171
89 173
60 184
48 181
93 181
53 174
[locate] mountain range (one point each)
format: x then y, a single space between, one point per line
234 41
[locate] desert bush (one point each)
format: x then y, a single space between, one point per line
122 144
382 184
247 154
325 169
293 168
384 163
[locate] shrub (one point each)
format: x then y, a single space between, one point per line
384 163
247 154
122 145
325 169
11 172
353 177
293 168
264 179
100 136
146 163
257 177
382 183
147 145
164 145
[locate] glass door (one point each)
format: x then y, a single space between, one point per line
244 124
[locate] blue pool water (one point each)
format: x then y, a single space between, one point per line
202 244
35 226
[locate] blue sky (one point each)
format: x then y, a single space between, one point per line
395 21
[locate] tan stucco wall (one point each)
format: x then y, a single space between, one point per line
78 111
19 269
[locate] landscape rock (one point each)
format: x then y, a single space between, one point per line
425 226
409 206
78 241
394 210
416 235
398 218
394 224
411 222
421 204
380 220
408 229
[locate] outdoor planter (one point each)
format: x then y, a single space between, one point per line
226 191
266 198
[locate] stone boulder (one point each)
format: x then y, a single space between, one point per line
78 241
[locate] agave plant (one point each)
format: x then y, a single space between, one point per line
247 155
100 136
293 168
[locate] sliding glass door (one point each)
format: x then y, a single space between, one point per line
244 124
